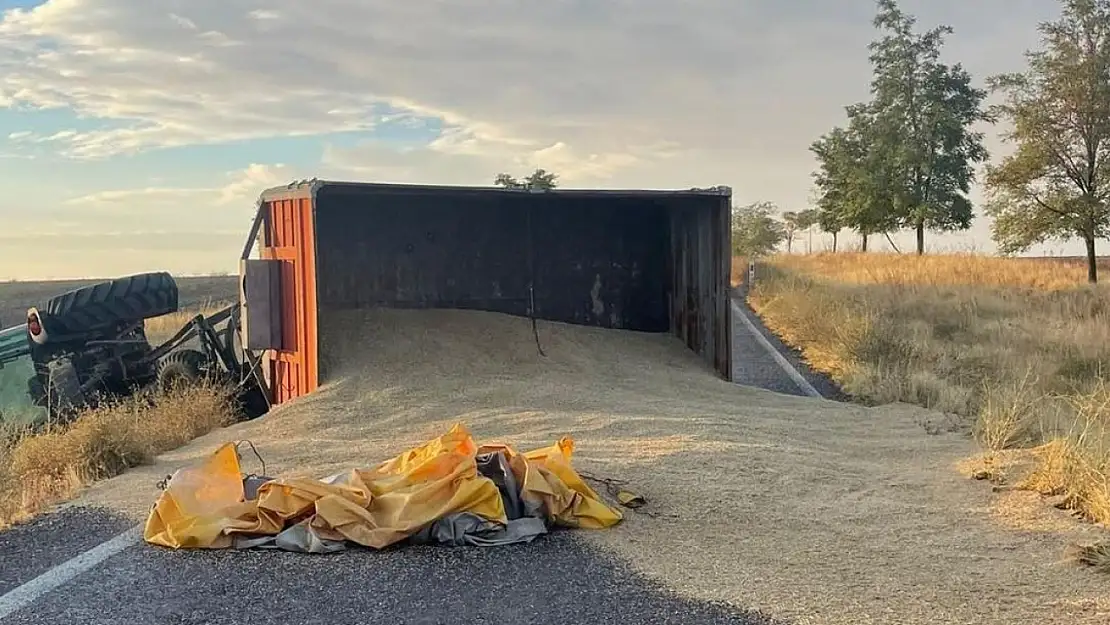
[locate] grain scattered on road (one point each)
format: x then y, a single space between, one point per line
807 509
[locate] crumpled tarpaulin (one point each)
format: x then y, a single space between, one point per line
446 491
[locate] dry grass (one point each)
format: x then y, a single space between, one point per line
162 328
1042 274
39 470
1075 464
1096 555
739 270
1018 347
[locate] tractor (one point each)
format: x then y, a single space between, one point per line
90 345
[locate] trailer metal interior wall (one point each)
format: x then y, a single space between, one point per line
647 261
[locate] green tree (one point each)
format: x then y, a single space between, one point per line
806 220
755 232
829 221
790 228
1056 183
854 181
539 179
924 111
796 222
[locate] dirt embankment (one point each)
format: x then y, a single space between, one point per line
813 511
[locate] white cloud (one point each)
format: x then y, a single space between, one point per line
594 81
264 15
239 187
130 197
183 22
27 136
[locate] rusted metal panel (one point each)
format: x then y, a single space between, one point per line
416 252
589 260
699 295
289 237
722 252
602 261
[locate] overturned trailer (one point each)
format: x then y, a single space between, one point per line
654 261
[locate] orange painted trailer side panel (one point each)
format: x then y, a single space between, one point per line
289 236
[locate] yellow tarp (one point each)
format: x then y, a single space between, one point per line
205 506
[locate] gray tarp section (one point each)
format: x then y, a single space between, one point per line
470 529
458 530
299 538
463 529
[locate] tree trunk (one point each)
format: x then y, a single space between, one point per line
834 242
920 238
1092 260
864 247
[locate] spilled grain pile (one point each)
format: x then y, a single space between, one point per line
791 505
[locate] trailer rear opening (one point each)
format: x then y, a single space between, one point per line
652 261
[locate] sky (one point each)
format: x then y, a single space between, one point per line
136 136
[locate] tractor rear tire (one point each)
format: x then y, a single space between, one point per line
63 393
130 298
182 368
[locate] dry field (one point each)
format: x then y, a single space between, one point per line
1079 261
160 329
1016 350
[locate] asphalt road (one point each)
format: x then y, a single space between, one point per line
556 579
27 551
753 365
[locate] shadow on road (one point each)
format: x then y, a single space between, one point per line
555 580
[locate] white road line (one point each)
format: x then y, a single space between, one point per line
26 594
799 380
